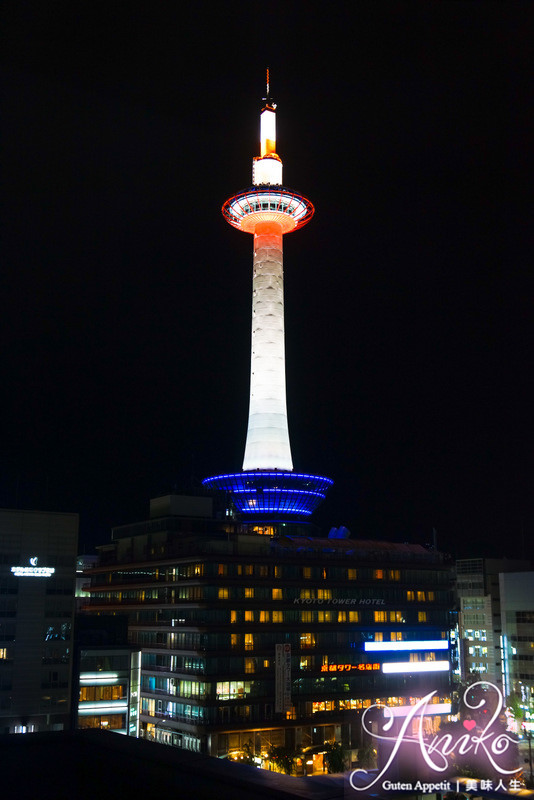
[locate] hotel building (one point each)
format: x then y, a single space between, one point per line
37 572
270 634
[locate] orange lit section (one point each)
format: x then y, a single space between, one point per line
267 131
287 224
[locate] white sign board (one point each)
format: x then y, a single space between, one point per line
282 678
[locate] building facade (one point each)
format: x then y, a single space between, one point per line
37 572
270 635
480 626
517 616
107 674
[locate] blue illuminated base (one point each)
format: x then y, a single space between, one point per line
276 492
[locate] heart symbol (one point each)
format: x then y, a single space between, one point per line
469 724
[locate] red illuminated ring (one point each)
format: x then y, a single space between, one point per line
268 204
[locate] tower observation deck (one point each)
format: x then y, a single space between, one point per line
267 486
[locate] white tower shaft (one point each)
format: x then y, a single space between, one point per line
267 444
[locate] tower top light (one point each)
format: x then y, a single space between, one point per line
267 200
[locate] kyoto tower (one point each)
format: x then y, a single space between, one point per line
267 487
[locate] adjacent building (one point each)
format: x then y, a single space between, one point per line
107 674
480 625
37 572
517 618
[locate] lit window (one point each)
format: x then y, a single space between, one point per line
306 572
324 616
341 616
222 569
234 640
249 616
410 595
378 574
249 641
307 640
415 656
233 616
324 573
266 663
421 616
265 616
250 665
354 616
3 653
277 594
394 574
324 594
277 572
307 594
223 594
420 597
395 616
249 569
249 592
430 656
306 616
381 616
379 636
239 569
352 574
396 636
199 569
430 596
278 616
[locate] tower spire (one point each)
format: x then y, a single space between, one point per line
267 485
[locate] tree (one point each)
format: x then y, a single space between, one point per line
248 753
283 758
335 756
367 757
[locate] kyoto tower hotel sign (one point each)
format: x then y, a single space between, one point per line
267 486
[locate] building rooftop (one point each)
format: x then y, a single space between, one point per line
107 765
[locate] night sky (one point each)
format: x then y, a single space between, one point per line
126 297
